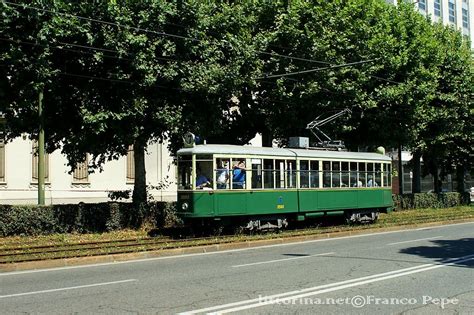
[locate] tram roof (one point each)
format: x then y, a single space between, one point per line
225 149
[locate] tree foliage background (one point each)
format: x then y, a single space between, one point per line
116 74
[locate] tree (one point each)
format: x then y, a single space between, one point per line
104 89
123 74
445 138
219 70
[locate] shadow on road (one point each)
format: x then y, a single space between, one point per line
443 250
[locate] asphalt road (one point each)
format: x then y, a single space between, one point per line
427 271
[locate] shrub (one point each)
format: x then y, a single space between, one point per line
26 220
82 217
429 200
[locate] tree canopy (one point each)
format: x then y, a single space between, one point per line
116 74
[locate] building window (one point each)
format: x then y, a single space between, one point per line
34 164
422 5
437 8
452 11
2 161
81 173
130 165
465 18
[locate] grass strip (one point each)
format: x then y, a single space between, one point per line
15 249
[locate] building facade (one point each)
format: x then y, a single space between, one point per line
19 176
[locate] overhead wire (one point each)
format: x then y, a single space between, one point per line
81 51
317 69
331 65
150 31
62 48
135 28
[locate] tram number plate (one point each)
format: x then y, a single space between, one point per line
280 206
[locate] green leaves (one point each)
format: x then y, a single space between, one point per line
118 73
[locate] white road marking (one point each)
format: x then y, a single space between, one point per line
424 228
417 240
301 290
279 260
13 273
298 294
67 288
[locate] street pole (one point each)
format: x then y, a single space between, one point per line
41 164
400 171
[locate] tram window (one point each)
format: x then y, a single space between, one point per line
336 174
291 174
279 173
314 174
185 174
238 173
354 180
203 174
378 174
222 173
344 174
326 174
362 175
257 174
304 174
388 175
370 175
268 174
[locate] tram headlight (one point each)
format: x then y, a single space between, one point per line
184 206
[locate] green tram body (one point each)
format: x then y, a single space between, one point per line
292 200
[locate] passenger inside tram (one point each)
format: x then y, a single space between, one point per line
238 178
202 181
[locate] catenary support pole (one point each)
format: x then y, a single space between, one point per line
41 163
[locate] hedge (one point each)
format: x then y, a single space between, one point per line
82 218
430 200
102 217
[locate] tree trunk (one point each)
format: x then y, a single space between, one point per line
139 187
400 171
416 180
461 187
437 181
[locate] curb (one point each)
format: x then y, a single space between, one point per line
66 262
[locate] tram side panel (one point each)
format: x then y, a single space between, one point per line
230 203
256 203
272 202
308 201
375 198
333 200
388 201
196 204
337 199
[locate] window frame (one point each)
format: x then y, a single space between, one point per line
3 162
34 165
130 165
81 181
452 12
438 11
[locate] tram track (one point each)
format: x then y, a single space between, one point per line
16 253
10 255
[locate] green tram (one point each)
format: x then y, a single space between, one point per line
259 187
